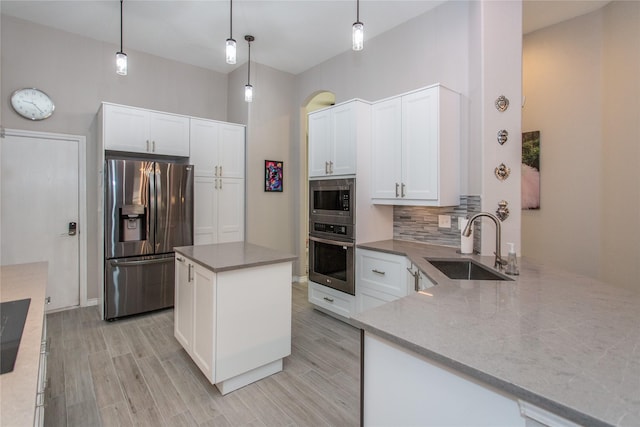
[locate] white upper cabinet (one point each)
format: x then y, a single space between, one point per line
333 134
386 152
137 130
217 149
416 149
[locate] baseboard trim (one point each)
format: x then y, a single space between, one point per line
92 301
300 279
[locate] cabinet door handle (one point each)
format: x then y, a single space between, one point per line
153 146
179 259
220 171
397 188
326 168
220 185
328 299
382 273
147 145
216 173
331 167
189 278
402 190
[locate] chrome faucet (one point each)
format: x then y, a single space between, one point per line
499 263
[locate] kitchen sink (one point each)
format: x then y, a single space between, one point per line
466 269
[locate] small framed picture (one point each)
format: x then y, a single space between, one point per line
273 175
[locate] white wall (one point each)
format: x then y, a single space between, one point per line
582 88
79 73
620 208
563 89
500 67
269 119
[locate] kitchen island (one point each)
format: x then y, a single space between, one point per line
549 345
233 310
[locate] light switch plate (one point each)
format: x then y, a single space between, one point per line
444 221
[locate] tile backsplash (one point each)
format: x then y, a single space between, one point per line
420 223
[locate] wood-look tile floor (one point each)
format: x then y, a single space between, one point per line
134 372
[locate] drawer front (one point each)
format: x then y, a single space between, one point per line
382 272
332 300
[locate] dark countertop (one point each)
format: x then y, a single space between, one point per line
233 256
566 343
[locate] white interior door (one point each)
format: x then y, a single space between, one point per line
39 188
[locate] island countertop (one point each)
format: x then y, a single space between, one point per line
18 388
233 256
561 341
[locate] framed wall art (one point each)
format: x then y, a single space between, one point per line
531 170
273 175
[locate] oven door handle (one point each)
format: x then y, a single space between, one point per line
331 242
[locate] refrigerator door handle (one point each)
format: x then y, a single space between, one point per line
124 263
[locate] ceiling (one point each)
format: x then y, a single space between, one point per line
290 35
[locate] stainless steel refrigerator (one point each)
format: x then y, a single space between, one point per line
148 212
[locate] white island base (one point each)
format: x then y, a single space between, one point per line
233 311
239 381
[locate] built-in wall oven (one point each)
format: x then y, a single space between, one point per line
332 233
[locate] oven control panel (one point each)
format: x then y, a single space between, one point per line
320 227
345 201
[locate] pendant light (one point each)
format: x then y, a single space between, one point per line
358 30
230 47
248 89
121 57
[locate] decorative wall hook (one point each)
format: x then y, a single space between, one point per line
502 103
503 211
502 172
503 136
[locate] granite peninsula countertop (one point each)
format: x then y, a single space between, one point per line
566 343
18 388
233 256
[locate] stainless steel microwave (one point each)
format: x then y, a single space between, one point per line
332 200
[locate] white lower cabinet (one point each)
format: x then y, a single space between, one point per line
234 324
332 300
402 388
195 313
383 277
380 277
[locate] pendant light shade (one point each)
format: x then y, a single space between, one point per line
121 57
121 63
248 92
230 47
248 89
358 30
231 51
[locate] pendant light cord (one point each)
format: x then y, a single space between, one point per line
121 25
357 10
231 19
249 66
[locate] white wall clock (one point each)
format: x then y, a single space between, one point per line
32 103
